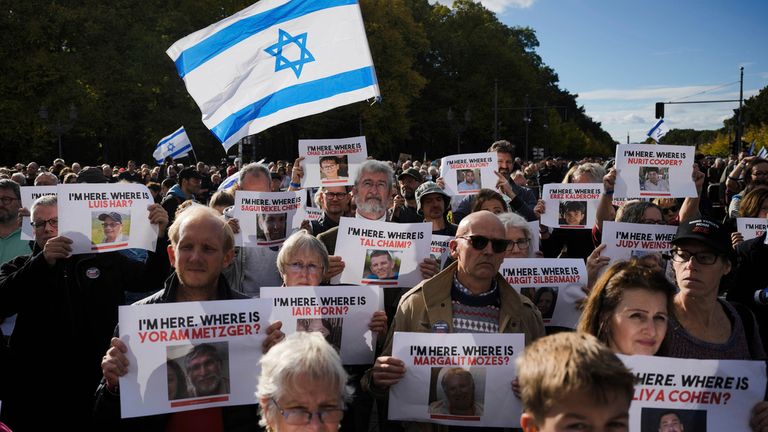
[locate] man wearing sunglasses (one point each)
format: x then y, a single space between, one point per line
469 296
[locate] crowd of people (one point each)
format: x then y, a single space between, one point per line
59 310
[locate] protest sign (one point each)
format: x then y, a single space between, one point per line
698 395
163 376
106 217
462 379
554 285
267 218
466 174
645 242
439 250
313 213
340 313
652 170
332 162
571 205
28 196
750 227
382 253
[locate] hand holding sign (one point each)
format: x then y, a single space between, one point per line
387 371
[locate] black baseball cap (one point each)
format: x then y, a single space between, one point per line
706 231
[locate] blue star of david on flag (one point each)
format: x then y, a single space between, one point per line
171 147
276 50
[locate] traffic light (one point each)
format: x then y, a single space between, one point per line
659 110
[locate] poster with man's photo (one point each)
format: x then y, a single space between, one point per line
106 217
460 379
382 253
332 162
674 394
191 355
340 313
268 218
28 196
751 227
466 174
554 285
571 205
654 170
648 243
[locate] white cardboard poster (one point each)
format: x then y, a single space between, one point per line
654 170
475 368
106 217
571 205
750 227
226 335
28 196
554 285
382 253
267 218
699 395
332 162
340 313
646 242
466 174
439 249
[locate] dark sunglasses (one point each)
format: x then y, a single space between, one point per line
671 209
480 242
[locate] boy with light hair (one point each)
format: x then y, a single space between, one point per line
569 379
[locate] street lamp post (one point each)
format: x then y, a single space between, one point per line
56 126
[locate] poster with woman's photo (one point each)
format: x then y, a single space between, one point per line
106 217
340 313
571 205
554 285
466 174
459 379
331 162
654 170
685 395
191 355
268 218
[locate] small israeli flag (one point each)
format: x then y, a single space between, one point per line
658 130
175 145
763 153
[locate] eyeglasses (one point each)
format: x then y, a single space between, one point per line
301 416
705 258
335 195
521 244
327 167
480 242
8 200
54 222
110 224
652 222
672 209
298 267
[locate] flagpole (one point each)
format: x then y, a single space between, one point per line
194 155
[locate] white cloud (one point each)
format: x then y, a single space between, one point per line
497 6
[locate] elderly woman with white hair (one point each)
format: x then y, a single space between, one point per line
519 234
303 386
302 261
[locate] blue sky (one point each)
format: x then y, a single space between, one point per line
622 56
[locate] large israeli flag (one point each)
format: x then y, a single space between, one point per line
658 130
276 61
175 145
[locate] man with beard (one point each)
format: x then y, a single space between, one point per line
522 200
405 208
205 371
335 203
11 244
433 203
